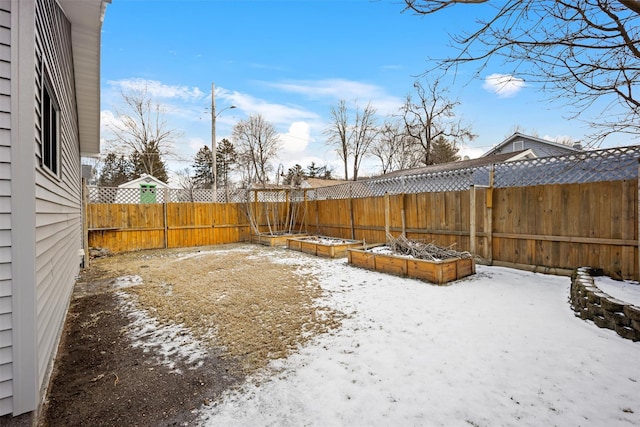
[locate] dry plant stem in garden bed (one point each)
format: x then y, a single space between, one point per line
421 250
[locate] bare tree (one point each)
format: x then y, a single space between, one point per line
338 133
142 132
580 51
363 134
432 116
395 148
257 144
352 140
187 184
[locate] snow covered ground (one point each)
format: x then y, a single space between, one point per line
500 348
625 291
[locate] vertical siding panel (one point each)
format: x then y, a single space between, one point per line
6 354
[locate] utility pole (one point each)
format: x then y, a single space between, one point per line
214 148
213 143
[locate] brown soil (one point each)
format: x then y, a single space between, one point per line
243 307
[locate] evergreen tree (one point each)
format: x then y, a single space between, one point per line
115 171
443 151
294 176
226 158
150 162
202 176
326 172
313 171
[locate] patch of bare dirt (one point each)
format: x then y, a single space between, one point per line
245 309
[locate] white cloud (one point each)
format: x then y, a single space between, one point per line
274 113
503 85
108 120
471 152
196 143
295 141
159 89
349 90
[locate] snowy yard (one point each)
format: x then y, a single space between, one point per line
502 347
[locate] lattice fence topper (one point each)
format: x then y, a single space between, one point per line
160 195
589 166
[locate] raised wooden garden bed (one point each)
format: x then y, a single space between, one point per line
274 239
322 246
438 272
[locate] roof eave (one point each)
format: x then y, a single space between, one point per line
86 19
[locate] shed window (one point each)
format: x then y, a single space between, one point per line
50 129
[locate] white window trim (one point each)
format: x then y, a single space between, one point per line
518 145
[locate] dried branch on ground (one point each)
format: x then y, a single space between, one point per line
422 250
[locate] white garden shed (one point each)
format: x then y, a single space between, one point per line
145 189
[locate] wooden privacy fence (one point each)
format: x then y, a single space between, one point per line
548 227
131 227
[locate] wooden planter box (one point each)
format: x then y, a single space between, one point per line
312 245
273 240
438 272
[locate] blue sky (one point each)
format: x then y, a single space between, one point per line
292 60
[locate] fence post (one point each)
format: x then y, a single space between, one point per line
353 231
255 205
472 219
387 217
306 209
165 224
85 223
488 220
317 217
403 216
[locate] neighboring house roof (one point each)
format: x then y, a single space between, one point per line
306 183
144 179
541 147
482 161
319 182
259 186
86 22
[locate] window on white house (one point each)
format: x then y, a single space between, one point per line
518 145
50 129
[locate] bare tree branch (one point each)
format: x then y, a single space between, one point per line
338 135
431 116
579 51
364 133
257 144
142 132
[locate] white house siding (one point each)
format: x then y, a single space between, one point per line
58 228
6 357
540 148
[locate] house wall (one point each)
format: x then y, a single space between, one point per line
58 227
6 358
540 149
40 212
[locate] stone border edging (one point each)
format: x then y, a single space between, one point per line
589 302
